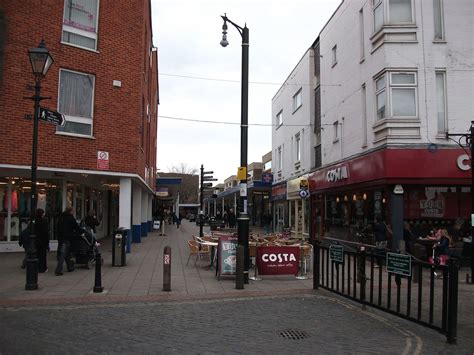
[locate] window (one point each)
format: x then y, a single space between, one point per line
398 12
280 158
403 94
364 115
336 131
80 23
76 102
438 19
279 118
378 14
334 55
380 97
298 147
297 100
441 101
361 33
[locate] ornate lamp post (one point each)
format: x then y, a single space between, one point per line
243 218
41 60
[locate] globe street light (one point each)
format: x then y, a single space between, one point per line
41 60
243 218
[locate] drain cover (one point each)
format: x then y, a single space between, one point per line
293 334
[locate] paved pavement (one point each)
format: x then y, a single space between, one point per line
200 314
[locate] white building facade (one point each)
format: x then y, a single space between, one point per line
393 77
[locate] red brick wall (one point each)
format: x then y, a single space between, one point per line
118 112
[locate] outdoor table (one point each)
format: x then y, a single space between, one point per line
213 246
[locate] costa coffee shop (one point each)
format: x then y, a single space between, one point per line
429 188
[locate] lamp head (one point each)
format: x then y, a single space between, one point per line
40 59
224 42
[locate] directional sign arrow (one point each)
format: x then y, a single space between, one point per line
207 185
50 116
207 172
209 179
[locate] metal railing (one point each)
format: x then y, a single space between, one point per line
429 296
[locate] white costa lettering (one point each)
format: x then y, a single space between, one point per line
337 174
278 257
461 162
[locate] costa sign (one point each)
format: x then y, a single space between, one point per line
278 260
337 174
463 162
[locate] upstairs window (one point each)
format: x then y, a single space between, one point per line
279 118
438 19
76 102
392 12
380 97
297 100
280 158
298 147
336 131
334 55
80 23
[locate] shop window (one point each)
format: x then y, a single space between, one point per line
76 102
80 23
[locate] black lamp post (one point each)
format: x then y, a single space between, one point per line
469 141
243 218
41 61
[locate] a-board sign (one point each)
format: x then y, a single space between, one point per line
278 260
399 264
336 253
227 255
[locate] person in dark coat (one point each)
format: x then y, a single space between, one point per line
381 231
231 218
91 221
67 229
42 240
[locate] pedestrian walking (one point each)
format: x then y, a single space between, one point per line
178 221
231 218
267 222
91 222
67 229
42 240
381 231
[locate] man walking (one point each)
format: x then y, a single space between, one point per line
67 227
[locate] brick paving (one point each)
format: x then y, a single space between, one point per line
200 314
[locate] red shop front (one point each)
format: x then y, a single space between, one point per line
427 188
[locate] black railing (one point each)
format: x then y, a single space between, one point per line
428 296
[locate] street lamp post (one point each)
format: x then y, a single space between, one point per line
469 139
41 61
243 219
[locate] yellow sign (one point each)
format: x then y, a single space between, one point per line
241 173
303 183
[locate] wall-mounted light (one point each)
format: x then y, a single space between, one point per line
354 197
345 198
383 200
337 199
364 196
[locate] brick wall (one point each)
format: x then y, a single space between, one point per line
118 112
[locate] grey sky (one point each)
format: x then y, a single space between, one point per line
187 34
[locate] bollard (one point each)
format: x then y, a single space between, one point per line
302 275
239 277
31 264
162 225
361 276
98 275
316 261
167 268
453 270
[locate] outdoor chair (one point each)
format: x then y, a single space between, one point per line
196 249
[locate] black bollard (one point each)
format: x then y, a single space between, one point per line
239 277
167 268
31 264
98 276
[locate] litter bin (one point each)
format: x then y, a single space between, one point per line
119 242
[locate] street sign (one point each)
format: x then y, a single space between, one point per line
207 185
205 178
53 117
399 264
207 172
336 253
303 193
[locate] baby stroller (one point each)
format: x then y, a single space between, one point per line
84 247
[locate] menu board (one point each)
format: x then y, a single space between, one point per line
227 255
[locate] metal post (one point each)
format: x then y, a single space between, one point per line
316 251
32 260
98 274
239 277
471 142
201 203
362 278
452 301
167 268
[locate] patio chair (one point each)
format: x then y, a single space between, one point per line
197 249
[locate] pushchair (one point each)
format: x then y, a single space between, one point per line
84 248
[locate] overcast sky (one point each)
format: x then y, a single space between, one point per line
187 34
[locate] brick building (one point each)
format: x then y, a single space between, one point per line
104 79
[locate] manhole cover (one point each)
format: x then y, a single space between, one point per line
293 334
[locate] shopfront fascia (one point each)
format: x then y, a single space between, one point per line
279 207
298 208
83 190
427 188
